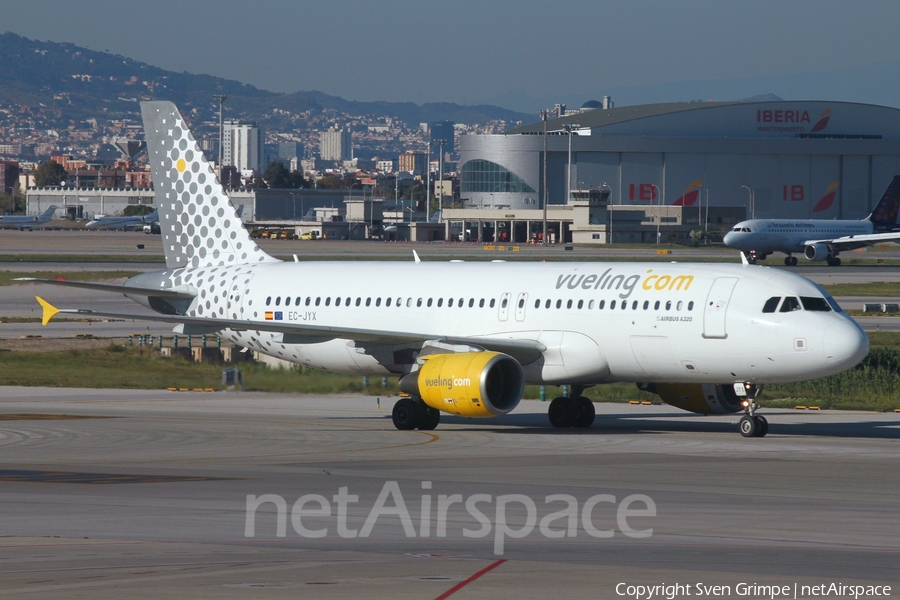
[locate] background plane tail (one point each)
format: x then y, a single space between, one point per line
885 214
48 214
199 225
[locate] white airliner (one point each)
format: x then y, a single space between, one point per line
465 337
28 222
818 239
104 222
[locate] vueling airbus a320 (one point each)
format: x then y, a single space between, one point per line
465 338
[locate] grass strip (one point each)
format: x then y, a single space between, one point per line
872 385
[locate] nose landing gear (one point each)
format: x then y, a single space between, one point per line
751 424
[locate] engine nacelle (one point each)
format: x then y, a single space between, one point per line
702 398
470 384
817 252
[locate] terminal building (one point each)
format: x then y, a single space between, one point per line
664 164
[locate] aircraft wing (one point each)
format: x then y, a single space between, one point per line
523 350
113 287
851 242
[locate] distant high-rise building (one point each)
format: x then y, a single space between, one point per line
243 146
441 130
412 162
336 144
9 176
288 150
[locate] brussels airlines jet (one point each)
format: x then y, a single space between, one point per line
818 239
465 338
28 222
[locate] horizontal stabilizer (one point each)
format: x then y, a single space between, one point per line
112 287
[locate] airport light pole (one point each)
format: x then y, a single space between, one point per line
544 115
569 127
658 209
752 201
221 98
428 182
441 178
610 233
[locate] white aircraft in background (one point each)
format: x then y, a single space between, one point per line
103 222
465 337
28 222
818 239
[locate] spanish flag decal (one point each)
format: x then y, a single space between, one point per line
269 315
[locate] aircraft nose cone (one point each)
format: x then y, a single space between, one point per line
845 343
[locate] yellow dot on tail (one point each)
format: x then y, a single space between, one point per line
181 165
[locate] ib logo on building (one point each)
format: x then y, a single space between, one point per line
822 123
826 201
690 195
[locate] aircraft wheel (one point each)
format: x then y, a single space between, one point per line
405 414
793 261
787 261
748 426
562 412
762 426
836 262
584 412
428 417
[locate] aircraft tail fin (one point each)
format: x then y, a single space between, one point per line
885 214
199 225
48 214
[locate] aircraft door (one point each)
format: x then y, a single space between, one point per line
503 314
717 306
238 297
521 305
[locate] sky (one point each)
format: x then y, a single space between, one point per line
522 54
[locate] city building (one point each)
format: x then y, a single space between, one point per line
9 176
243 146
412 162
336 144
442 130
782 159
289 150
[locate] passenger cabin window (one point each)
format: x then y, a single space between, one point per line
521 302
493 302
537 303
440 302
419 302
771 304
378 301
328 301
358 301
337 301
816 304
547 303
308 300
368 302
471 302
602 304
268 300
612 305
481 303
504 303
790 304
318 300
278 301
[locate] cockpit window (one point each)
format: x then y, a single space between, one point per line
771 304
817 304
736 229
790 304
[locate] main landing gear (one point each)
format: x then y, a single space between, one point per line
790 261
833 261
752 424
411 413
572 412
